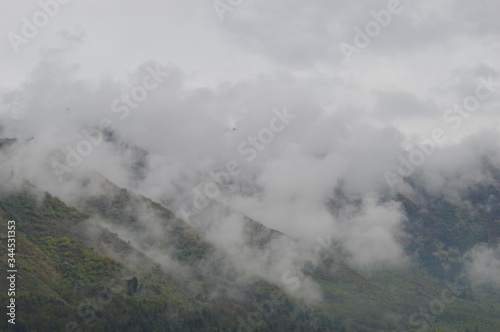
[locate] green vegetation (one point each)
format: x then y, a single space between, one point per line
75 274
67 284
136 213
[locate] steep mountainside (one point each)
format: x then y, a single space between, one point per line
121 262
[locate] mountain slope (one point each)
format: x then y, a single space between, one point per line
127 263
64 277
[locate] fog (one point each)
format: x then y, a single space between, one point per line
263 118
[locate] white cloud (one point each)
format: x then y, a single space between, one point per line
483 266
351 123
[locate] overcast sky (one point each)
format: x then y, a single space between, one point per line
429 55
362 80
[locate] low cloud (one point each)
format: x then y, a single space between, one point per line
483 266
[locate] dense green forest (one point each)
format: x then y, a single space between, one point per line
76 275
